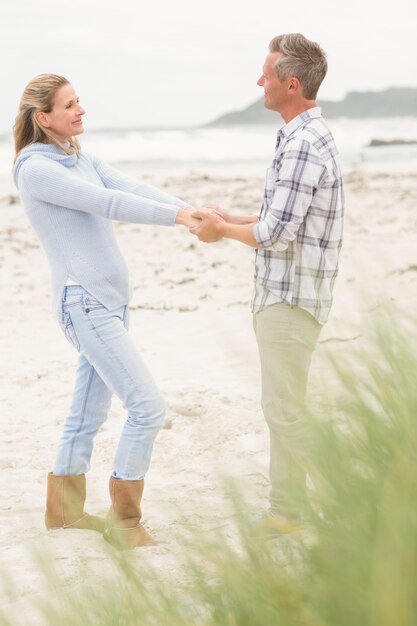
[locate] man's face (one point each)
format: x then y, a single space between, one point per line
275 91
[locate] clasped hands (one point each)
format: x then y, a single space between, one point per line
205 223
210 224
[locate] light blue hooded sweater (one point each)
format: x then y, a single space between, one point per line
71 201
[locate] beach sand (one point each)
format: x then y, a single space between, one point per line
191 320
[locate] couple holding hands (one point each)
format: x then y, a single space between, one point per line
71 199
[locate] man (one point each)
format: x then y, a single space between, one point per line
297 238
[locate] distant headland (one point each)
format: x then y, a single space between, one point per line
392 102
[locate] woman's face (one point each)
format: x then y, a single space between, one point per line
65 119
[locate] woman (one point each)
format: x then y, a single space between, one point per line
71 199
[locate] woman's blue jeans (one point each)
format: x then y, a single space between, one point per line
108 363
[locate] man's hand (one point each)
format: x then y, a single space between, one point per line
210 208
207 230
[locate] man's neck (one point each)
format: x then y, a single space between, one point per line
290 113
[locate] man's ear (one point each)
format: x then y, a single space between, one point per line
294 85
42 119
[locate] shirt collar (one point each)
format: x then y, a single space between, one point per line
299 120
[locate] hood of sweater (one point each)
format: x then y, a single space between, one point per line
48 150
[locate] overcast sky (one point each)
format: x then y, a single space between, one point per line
184 62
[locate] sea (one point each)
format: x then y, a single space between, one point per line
153 149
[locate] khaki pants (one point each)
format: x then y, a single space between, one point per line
286 339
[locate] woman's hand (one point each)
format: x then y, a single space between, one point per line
185 218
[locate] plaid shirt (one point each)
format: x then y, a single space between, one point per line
300 224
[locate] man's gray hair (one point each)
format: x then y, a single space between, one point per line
303 59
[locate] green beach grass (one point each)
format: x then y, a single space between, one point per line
354 563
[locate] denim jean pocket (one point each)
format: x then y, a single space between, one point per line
69 332
92 304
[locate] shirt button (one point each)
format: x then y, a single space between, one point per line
87 310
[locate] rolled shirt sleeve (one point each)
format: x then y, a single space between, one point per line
301 172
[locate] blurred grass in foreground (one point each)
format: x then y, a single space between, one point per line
354 565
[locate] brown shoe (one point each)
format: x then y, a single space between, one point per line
123 528
65 500
272 524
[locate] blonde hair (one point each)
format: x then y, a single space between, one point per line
302 58
38 96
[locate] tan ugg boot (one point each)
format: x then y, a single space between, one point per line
123 528
65 499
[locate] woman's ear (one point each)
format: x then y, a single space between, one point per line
42 119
